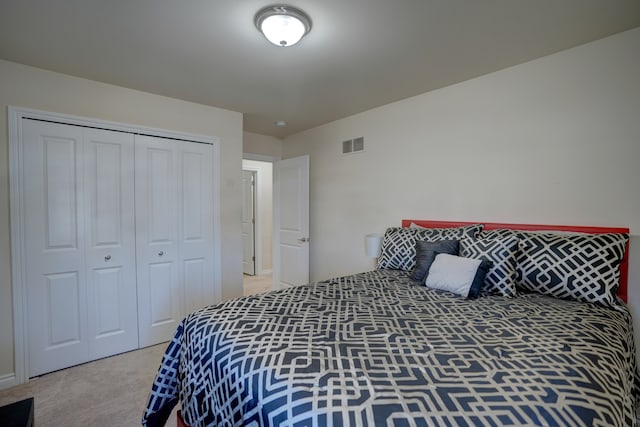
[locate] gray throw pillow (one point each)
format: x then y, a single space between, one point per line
426 252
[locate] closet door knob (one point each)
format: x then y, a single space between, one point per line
160 253
107 258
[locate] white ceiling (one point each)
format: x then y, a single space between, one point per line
360 53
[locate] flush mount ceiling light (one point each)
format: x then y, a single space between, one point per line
282 25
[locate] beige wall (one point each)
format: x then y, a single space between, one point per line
23 86
262 145
551 141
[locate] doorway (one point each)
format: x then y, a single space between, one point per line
249 222
257 235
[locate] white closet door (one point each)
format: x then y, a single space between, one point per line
80 247
196 224
54 246
174 233
110 242
160 295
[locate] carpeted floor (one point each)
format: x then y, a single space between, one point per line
104 393
107 392
257 284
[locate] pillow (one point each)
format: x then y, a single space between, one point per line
398 250
503 252
499 233
426 252
583 267
506 232
462 276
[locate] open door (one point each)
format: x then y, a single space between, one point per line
291 222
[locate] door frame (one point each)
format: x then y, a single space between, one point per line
257 256
275 255
18 260
260 270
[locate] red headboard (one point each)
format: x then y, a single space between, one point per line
624 265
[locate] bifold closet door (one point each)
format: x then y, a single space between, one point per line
79 247
174 233
110 242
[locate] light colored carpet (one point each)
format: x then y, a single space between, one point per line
104 393
107 392
257 284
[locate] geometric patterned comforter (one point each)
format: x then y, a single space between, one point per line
378 349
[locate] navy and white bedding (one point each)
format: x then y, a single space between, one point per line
379 349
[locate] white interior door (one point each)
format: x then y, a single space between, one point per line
291 221
160 296
54 246
73 190
174 233
110 242
79 243
248 223
195 233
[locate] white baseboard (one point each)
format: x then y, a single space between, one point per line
8 380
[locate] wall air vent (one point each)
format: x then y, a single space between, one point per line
358 144
347 146
354 145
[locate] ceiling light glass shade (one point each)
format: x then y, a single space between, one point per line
283 25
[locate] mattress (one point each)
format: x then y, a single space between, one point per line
378 349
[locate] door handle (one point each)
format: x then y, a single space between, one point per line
160 253
107 258
303 239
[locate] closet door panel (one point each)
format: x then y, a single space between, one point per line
196 282
110 231
161 277
62 309
54 246
107 308
160 293
196 224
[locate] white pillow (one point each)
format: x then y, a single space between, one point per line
455 274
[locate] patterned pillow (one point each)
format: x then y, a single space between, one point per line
583 267
426 253
506 232
499 233
399 243
503 252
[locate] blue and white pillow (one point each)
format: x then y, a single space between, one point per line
503 252
583 267
398 250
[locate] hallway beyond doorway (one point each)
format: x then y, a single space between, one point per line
256 284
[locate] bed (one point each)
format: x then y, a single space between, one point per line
552 347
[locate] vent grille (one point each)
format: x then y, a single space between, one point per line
347 146
354 145
358 144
